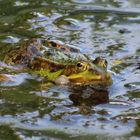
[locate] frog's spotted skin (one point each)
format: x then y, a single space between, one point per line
62 46
61 52
60 59
22 55
39 63
80 72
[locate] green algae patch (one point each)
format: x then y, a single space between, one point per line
7 133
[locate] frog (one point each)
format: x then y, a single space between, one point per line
78 72
60 62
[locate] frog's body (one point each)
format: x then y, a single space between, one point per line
77 70
22 55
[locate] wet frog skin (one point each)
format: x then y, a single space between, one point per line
78 71
81 72
24 53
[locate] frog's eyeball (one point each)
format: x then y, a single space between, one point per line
79 64
82 66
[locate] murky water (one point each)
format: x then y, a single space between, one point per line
109 28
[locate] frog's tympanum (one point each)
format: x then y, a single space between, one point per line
60 62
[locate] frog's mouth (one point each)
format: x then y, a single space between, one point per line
84 77
91 77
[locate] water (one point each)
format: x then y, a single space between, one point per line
32 110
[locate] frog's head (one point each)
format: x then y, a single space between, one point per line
81 72
91 73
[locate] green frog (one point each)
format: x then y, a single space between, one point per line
60 63
78 72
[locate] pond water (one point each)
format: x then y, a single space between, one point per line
31 110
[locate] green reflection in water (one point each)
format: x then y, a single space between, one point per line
7 133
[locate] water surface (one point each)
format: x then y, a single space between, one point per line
30 110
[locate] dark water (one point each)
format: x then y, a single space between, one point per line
109 28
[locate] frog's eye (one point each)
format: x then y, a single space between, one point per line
100 62
82 66
105 64
79 64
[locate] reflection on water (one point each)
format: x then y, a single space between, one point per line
36 110
88 96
